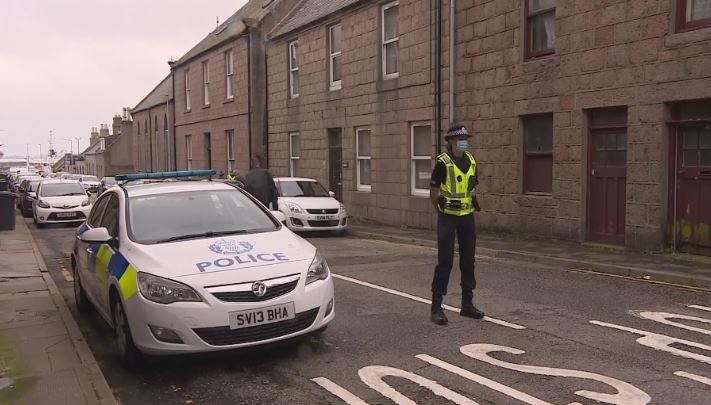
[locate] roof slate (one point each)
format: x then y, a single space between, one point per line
156 96
230 28
310 11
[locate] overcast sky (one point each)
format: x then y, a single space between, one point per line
70 65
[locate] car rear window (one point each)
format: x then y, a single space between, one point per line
157 218
61 189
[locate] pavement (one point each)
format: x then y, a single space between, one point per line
659 267
43 356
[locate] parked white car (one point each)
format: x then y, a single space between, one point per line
90 183
60 201
309 207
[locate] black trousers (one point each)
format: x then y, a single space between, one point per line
465 229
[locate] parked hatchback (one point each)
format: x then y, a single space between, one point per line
309 207
60 201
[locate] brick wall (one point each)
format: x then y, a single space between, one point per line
221 115
386 107
608 53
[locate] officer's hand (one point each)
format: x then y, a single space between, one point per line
441 201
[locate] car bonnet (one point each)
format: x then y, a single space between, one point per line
225 259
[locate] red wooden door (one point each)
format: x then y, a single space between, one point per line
693 185
608 181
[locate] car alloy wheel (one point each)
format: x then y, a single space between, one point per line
130 356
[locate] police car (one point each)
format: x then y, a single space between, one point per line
196 266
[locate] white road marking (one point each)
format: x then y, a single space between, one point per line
338 391
373 377
663 317
698 378
422 300
513 393
662 342
627 394
700 307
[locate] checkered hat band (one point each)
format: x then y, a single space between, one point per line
457 132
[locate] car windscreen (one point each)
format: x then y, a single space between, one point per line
90 178
297 188
188 215
32 186
61 189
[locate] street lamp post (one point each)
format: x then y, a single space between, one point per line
71 154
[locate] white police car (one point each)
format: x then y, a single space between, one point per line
194 266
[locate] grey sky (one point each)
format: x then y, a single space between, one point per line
70 65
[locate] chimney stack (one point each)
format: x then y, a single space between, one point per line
116 130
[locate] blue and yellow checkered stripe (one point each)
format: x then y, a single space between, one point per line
113 263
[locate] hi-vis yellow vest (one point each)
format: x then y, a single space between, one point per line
457 191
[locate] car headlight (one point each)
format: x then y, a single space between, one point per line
318 270
294 208
85 202
42 204
164 291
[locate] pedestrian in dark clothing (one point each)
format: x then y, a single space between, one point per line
260 183
452 192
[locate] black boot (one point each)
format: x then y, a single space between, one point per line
468 308
437 314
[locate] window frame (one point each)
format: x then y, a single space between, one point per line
530 53
359 186
187 89
189 151
683 24
384 42
229 75
424 192
538 155
205 83
293 157
230 149
334 84
293 70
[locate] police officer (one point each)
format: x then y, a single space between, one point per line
452 192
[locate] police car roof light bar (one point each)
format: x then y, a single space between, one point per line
165 175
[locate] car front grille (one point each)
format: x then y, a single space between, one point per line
53 217
248 296
224 336
65 207
323 211
323 224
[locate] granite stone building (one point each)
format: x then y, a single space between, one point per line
591 119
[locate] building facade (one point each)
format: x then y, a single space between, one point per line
219 88
109 153
590 119
152 130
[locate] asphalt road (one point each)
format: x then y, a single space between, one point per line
557 337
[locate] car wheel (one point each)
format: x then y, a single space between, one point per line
128 352
82 301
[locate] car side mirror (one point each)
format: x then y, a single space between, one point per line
332 194
96 235
279 216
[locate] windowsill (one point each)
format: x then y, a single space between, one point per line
364 189
205 106
388 84
292 102
229 100
688 35
335 87
539 55
537 194
420 193
187 111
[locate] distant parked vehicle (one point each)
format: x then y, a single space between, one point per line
26 195
309 207
60 201
91 183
